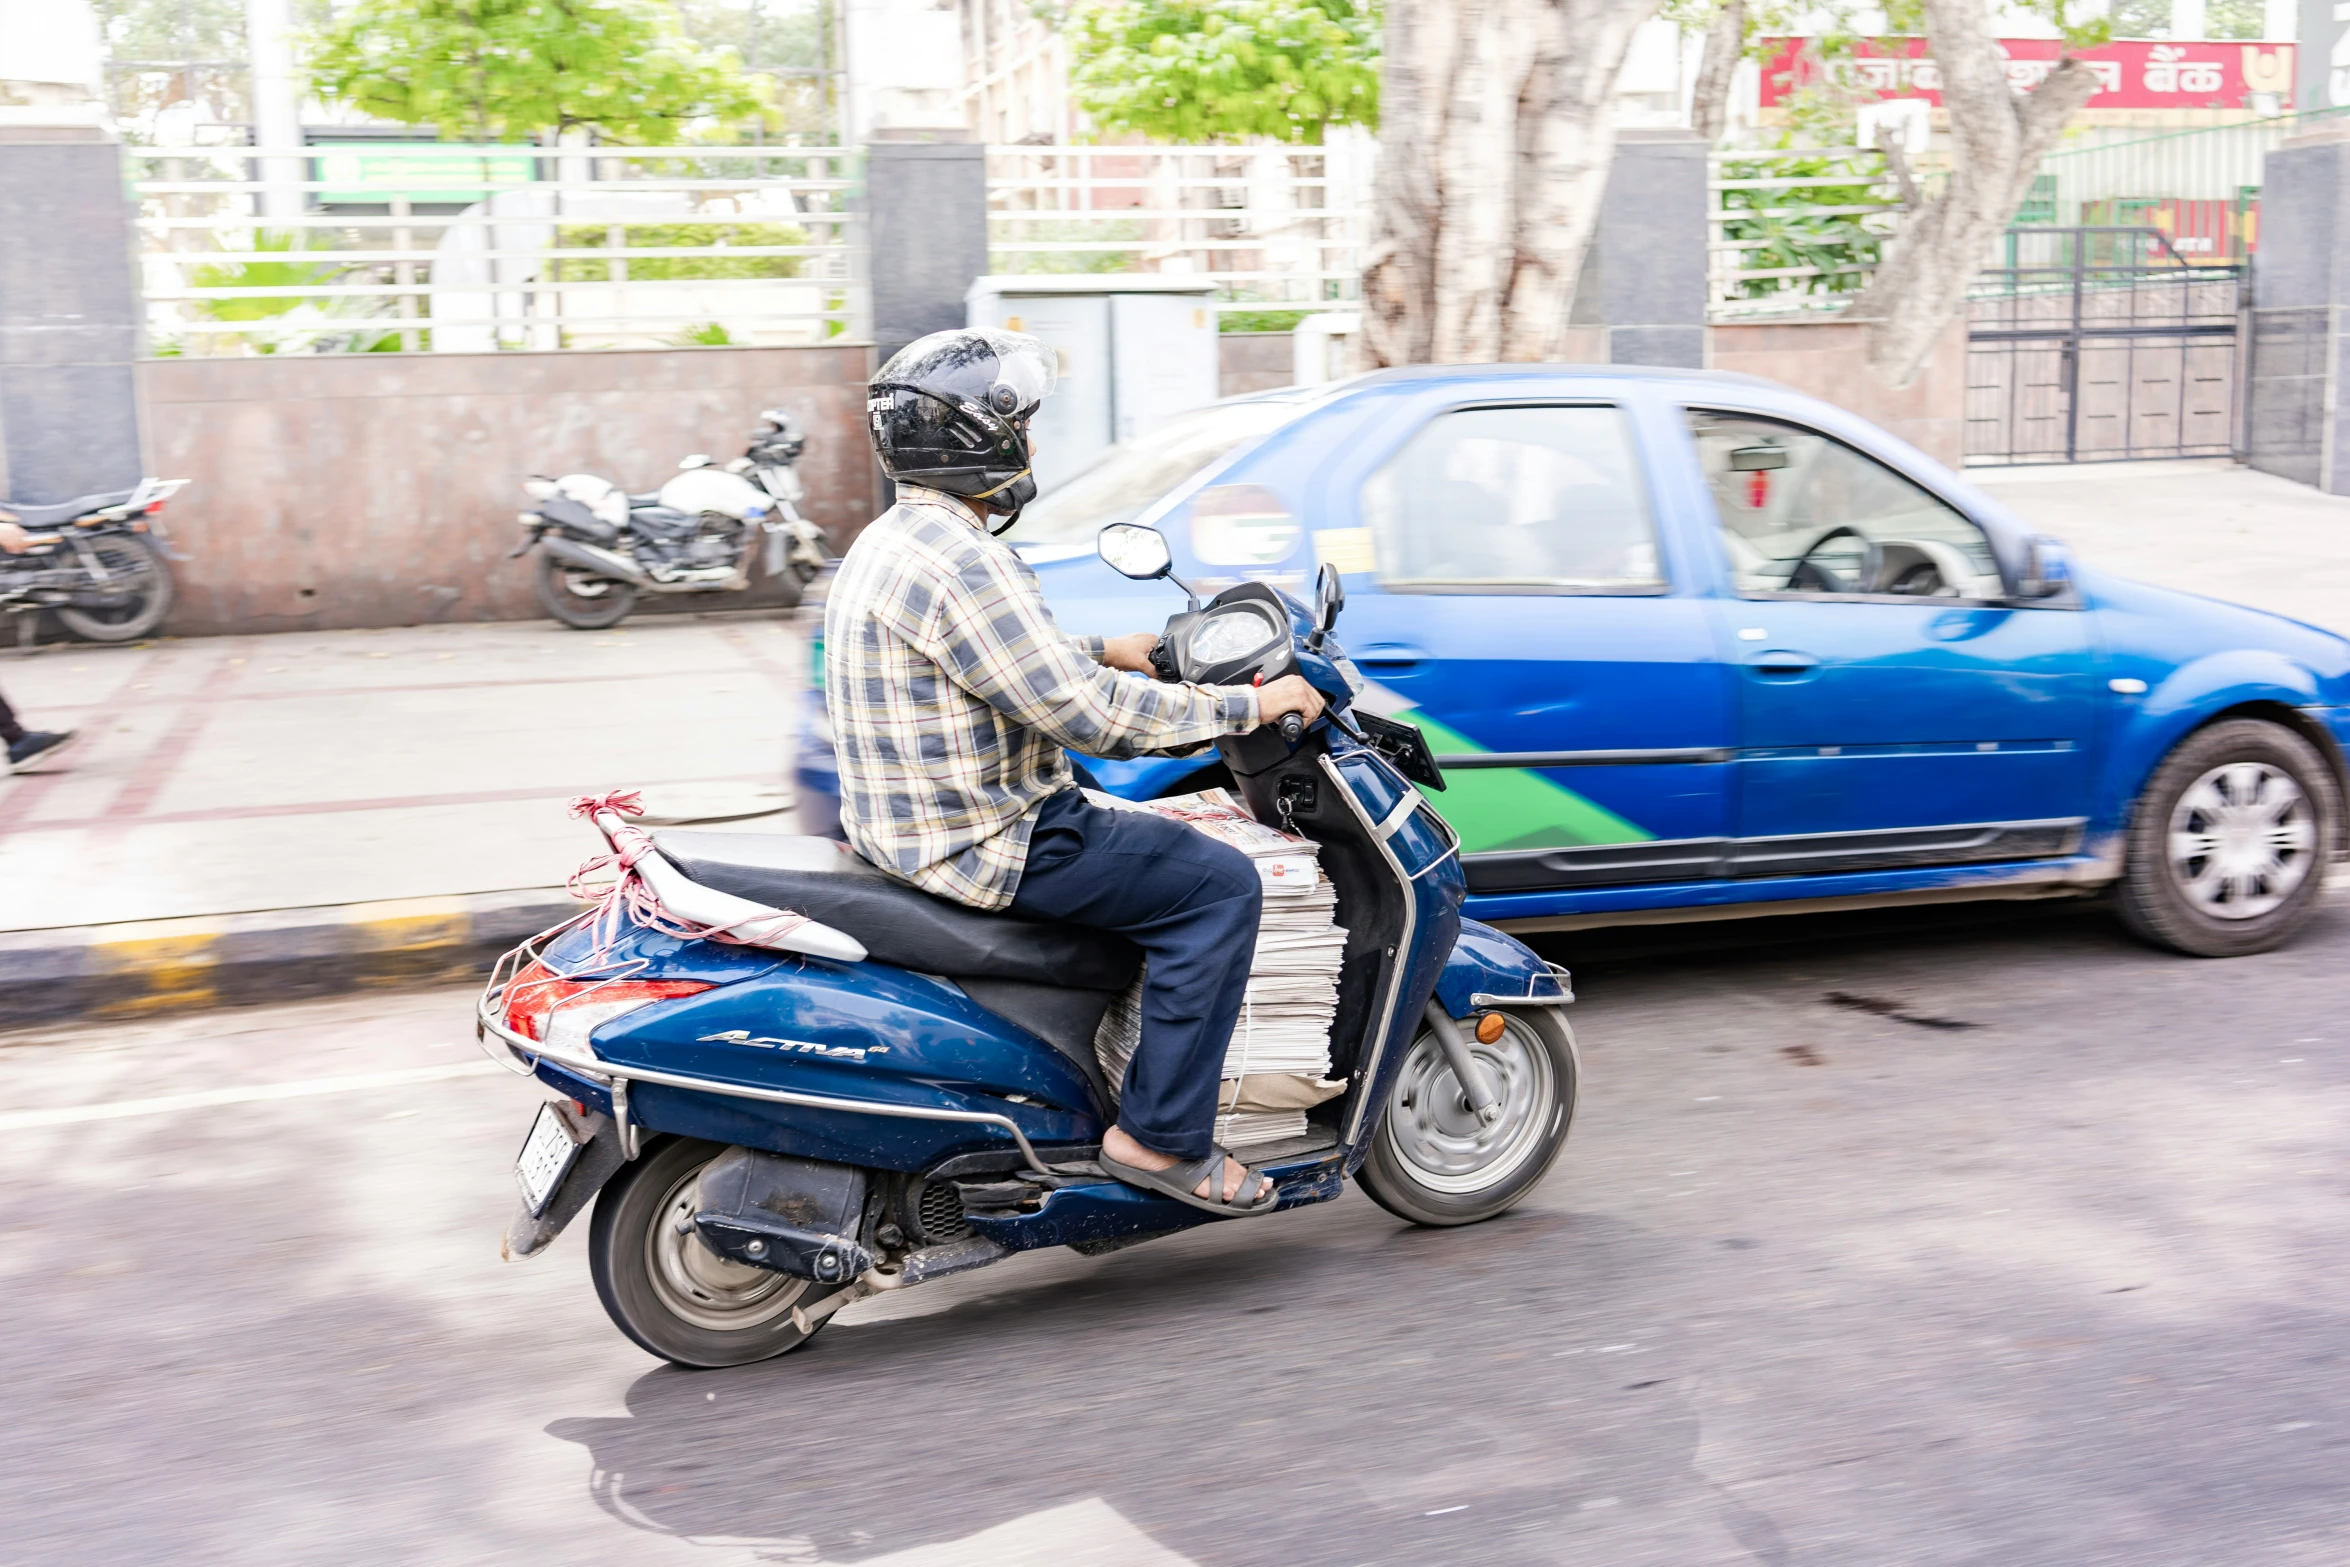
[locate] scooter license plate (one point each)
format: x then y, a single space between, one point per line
547 1155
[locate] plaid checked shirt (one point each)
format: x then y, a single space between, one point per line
952 691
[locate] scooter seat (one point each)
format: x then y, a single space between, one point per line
900 925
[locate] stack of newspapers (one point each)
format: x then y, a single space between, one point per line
1278 1064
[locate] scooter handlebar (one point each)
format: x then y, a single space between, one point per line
1293 727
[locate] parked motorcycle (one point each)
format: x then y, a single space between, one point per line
789 1082
600 547
100 563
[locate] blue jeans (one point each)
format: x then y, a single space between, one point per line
1191 904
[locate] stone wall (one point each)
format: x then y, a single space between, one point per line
1828 360
1254 362
381 489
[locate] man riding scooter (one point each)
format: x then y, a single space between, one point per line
954 696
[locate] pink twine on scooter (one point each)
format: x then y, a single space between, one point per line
628 898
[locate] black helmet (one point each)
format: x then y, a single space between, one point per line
951 411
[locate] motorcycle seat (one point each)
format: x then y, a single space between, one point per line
899 925
64 511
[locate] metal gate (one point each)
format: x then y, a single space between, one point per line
2097 344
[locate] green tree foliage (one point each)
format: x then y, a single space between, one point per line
488 70
1214 70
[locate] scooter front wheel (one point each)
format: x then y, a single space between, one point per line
668 1291
1434 1161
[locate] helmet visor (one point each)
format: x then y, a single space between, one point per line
1024 364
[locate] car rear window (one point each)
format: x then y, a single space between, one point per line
1538 498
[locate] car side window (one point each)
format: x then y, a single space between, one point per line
1803 513
1527 499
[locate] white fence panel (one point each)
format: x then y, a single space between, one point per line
1279 227
422 247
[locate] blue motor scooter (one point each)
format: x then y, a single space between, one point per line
789 1082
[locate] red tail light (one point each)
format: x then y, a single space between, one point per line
564 1012
153 507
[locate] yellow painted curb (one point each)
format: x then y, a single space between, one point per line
152 967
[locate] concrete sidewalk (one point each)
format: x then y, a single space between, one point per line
259 816
233 774
2209 527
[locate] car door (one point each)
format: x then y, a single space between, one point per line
1523 609
1895 708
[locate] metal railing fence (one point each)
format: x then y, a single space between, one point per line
1279 228
1794 230
387 246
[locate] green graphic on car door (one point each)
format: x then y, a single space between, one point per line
1503 808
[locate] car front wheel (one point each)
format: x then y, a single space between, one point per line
2229 842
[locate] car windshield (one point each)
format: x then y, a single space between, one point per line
1135 473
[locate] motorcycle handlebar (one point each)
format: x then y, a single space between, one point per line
1293 727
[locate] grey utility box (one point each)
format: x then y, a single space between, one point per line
1134 351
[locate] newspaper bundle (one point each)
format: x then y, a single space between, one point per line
1277 1065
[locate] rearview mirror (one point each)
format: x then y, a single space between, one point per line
1758 459
1329 599
2048 569
1134 551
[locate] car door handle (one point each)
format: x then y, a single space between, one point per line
1780 663
1390 658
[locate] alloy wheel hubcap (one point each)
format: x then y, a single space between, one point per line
702 1287
1432 1127
2242 839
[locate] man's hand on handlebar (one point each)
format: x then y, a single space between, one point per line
1277 699
1131 653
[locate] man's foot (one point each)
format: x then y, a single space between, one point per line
36 746
1126 1150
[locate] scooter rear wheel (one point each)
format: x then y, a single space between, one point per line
668 1291
1433 1162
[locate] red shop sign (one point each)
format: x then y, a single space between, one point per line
2137 73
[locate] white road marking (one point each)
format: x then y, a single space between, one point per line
258 1093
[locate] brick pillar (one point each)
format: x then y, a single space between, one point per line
1643 282
69 316
2296 419
926 206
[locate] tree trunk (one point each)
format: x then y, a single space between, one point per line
1717 66
1496 132
1997 141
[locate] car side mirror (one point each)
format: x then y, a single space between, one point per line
2048 569
1758 459
1329 599
1134 551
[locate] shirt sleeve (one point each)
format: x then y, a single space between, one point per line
995 636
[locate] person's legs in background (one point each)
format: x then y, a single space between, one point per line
25 746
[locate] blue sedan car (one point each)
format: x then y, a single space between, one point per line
1694 646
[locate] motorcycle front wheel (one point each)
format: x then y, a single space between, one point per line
146 598
670 1293
581 600
1432 1161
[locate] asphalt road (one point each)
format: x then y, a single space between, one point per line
2000 1243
